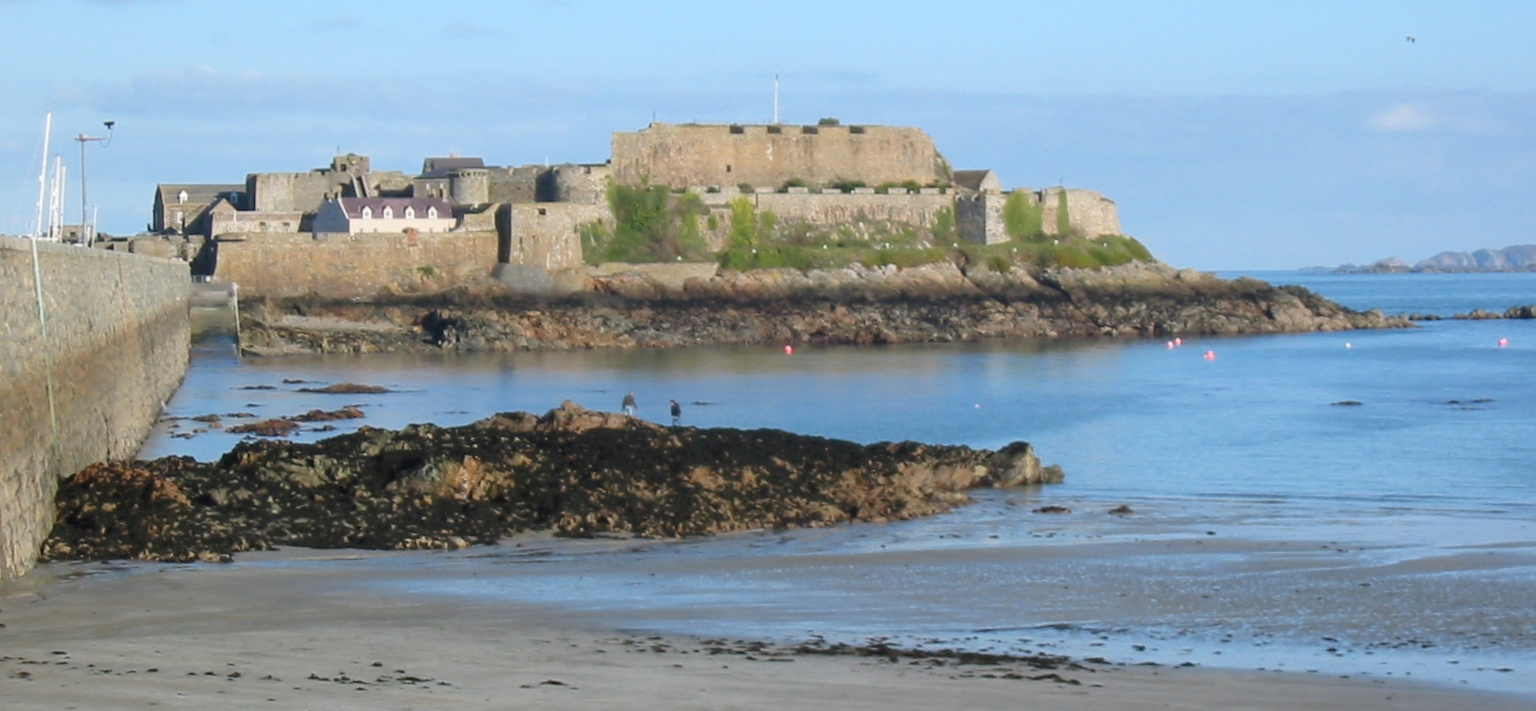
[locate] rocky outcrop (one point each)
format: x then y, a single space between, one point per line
575 471
932 303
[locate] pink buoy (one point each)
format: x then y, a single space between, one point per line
789 350
1170 345
1178 341
1503 342
1210 355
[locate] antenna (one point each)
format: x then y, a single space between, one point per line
775 97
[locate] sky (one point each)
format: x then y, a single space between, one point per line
1232 135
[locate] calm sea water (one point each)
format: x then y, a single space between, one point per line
1275 527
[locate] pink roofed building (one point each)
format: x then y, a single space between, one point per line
385 214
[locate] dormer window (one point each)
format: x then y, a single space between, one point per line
367 212
389 213
181 197
431 213
410 213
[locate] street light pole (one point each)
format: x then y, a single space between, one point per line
87 231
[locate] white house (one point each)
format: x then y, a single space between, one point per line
384 214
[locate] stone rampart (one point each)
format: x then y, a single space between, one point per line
1090 213
770 156
349 266
833 209
117 346
548 234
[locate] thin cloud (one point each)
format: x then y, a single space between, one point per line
1403 118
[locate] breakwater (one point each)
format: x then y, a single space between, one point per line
935 303
84 377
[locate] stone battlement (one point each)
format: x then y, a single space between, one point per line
770 156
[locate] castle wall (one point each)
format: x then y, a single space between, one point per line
293 192
833 209
511 185
1091 214
118 339
548 234
979 218
769 156
581 183
346 266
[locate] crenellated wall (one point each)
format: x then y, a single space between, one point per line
117 344
768 156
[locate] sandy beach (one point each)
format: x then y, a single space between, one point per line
288 630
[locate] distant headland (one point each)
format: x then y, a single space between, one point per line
1514 258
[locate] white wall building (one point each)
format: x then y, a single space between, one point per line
384 214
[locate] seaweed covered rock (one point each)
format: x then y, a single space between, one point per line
574 471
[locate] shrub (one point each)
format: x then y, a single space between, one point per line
999 263
650 225
943 227
1022 217
1063 220
828 121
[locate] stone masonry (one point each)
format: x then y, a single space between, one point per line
769 156
118 338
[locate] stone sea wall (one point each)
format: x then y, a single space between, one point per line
116 347
354 266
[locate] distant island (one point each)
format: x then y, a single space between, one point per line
1514 258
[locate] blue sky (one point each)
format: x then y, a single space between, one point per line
1232 135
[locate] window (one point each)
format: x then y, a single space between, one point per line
367 213
541 212
181 197
410 212
738 129
389 213
775 129
431 213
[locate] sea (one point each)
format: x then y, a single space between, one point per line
1347 504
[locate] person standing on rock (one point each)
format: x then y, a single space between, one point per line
677 413
629 405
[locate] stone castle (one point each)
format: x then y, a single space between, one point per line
264 234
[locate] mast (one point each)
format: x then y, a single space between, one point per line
775 98
42 176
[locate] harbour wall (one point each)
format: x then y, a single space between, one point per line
116 347
346 266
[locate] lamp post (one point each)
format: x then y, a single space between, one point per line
87 231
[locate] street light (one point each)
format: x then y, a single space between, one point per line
87 231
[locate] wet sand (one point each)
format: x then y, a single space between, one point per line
301 636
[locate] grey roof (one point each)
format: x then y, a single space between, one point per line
354 206
200 193
971 179
440 167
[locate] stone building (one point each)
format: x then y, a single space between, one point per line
182 209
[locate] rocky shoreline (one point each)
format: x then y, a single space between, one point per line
856 306
573 471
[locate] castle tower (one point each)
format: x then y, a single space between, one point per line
469 186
